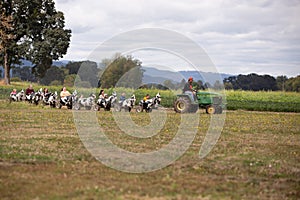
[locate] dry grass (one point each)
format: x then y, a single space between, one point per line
42 157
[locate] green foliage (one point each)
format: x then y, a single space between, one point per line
122 72
73 67
281 80
83 84
169 84
218 85
38 33
154 86
252 82
24 73
52 74
293 84
6 39
263 101
88 73
15 79
55 82
69 80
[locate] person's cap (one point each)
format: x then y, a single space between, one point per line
191 78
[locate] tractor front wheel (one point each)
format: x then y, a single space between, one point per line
210 109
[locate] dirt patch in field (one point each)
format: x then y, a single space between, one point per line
2 82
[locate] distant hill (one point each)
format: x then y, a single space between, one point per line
26 63
56 63
154 75
210 77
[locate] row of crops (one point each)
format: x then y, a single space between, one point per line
246 100
263 101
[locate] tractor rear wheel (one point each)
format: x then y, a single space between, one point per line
182 105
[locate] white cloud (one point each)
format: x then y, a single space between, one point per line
240 36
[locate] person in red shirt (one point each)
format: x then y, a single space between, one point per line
189 88
29 90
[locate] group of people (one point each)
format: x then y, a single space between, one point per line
65 94
29 91
103 96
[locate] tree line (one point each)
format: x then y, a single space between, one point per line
252 82
119 71
257 82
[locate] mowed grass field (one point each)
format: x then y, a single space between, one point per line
42 157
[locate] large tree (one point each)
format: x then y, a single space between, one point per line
6 40
36 33
122 72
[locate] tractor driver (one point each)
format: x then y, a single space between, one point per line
189 89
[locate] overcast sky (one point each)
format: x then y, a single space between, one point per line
239 36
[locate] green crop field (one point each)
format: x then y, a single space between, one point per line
42 157
263 101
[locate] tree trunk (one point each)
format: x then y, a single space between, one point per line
6 68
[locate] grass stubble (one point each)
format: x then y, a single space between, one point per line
42 157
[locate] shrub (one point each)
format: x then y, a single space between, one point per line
55 82
84 84
70 79
15 79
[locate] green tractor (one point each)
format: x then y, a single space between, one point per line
211 102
